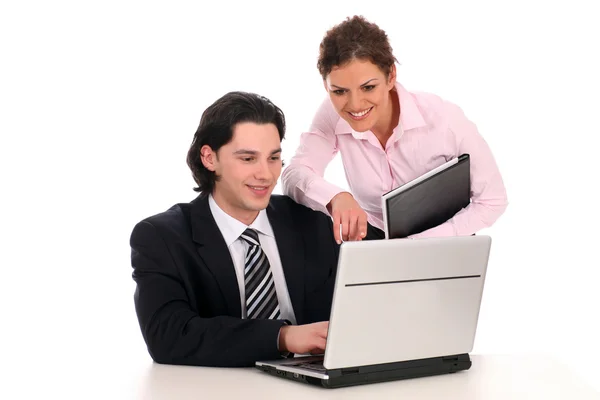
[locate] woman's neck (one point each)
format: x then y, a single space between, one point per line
389 119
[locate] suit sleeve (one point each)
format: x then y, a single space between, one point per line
174 333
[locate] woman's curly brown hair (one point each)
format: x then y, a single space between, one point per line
355 38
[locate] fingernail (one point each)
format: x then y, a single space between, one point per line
338 242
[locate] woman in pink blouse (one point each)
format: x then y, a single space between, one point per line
386 136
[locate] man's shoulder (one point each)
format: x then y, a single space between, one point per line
313 228
173 221
297 212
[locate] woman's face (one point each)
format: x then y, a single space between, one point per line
359 91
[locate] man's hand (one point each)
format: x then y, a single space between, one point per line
302 339
349 215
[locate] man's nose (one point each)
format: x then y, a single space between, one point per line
262 172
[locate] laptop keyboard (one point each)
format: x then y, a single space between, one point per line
314 365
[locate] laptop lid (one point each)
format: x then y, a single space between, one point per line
401 299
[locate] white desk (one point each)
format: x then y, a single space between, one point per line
490 378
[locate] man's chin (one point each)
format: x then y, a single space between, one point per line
258 204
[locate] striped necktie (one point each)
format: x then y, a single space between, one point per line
261 297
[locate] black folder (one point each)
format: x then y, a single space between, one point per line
429 200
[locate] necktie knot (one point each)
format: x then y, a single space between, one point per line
250 236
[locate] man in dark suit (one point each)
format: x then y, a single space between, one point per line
237 275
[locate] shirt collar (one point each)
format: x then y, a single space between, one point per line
231 228
410 116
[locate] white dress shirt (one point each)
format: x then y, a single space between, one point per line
231 229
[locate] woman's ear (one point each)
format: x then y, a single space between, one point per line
208 157
392 77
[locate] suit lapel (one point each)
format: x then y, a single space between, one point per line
213 250
291 251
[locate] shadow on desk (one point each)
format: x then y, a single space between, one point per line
490 378
181 382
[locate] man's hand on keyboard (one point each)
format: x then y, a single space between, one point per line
302 339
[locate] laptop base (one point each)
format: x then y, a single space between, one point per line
379 373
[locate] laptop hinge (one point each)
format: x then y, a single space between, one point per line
457 362
450 359
350 371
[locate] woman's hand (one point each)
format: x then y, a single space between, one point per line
348 216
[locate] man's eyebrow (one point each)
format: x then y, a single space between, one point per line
246 151
364 84
254 152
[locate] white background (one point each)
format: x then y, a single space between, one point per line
99 102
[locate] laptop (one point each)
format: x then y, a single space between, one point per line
402 308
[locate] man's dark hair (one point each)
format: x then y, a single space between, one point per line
216 129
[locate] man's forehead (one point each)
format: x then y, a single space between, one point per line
259 138
253 126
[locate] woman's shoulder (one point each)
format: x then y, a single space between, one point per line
433 106
325 119
427 100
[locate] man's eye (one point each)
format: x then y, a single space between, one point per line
247 159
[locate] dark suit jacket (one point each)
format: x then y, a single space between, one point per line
187 298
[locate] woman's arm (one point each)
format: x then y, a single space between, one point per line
488 194
303 179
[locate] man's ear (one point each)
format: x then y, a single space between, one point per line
208 157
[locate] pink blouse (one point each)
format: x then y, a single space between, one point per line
431 131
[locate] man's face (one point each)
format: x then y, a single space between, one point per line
247 169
